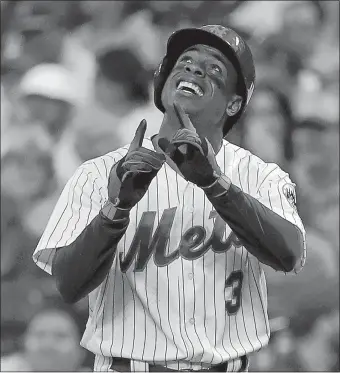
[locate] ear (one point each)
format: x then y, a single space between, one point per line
234 105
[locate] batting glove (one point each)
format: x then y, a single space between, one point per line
194 157
130 178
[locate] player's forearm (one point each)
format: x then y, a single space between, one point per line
272 239
82 266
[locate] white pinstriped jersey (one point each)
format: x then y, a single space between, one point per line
181 287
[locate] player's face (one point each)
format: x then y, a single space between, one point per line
202 80
52 343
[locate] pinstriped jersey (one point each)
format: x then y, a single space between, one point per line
182 290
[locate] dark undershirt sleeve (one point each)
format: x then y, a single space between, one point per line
81 266
272 239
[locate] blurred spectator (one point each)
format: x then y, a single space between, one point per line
261 18
277 63
167 17
220 12
41 37
301 58
48 99
310 343
333 322
50 343
16 243
302 22
316 285
117 24
91 140
44 37
267 126
315 334
327 221
28 176
316 169
317 86
325 57
122 100
19 134
23 287
105 15
317 90
122 77
304 297
5 111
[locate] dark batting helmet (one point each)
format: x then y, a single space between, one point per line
224 39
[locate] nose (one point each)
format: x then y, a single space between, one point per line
196 69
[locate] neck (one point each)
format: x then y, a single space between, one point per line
169 127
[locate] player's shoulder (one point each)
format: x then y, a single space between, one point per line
244 158
102 165
239 153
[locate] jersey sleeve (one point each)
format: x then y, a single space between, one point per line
277 192
79 202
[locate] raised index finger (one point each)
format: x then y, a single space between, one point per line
137 141
183 118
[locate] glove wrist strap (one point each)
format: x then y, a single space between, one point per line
113 212
219 187
217 177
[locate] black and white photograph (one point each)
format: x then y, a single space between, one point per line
169 186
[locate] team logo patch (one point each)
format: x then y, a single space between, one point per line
289 192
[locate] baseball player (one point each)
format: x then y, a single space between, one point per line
168 235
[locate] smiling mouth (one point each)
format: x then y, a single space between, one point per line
189 87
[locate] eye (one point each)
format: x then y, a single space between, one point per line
186 59
216 68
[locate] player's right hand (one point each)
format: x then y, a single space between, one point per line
130 178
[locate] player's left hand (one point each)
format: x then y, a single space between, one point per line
194 157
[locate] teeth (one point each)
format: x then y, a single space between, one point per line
182 85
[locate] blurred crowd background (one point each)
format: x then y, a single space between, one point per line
76 79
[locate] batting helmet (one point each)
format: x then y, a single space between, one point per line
222 38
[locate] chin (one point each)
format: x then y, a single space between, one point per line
191 105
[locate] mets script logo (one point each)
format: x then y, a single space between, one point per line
193 244
289 191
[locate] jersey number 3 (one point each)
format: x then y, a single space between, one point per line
234 282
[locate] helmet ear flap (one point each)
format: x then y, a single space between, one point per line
159 79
